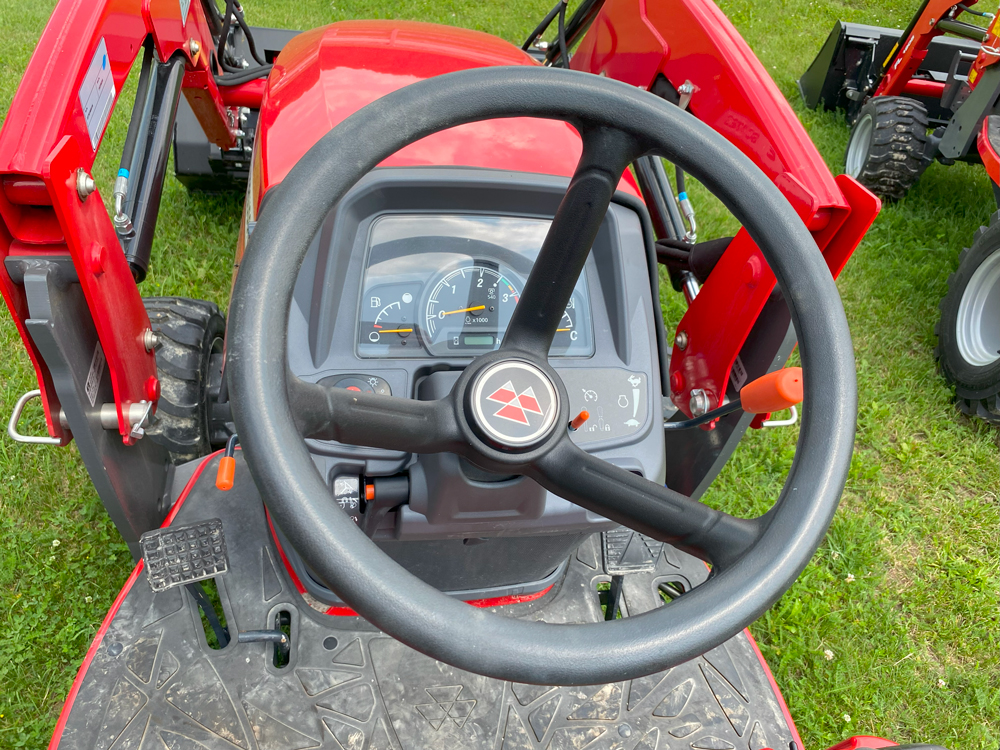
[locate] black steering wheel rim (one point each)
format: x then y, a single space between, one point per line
394 600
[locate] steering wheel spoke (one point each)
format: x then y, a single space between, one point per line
606 154
645 506
327 413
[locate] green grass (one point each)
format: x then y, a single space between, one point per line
904 591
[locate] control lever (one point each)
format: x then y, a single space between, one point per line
382 494
776 391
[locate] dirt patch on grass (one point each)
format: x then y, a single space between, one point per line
903 563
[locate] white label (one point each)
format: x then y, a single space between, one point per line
97 94
95 374
738 375
185 7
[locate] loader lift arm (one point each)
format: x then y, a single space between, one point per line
49 206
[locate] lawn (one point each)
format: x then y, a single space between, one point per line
891 630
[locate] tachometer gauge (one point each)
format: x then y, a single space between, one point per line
469 309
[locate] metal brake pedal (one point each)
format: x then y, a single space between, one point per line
177 555
627 551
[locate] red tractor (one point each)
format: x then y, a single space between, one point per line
924 94
440 464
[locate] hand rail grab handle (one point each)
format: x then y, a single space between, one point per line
15 417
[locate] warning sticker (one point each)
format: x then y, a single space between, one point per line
738 375
95 374
97 94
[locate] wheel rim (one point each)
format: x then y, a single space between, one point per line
977 329
857 149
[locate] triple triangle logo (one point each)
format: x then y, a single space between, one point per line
516 406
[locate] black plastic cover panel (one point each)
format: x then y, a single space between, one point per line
155 683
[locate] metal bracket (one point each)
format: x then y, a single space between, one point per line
15 417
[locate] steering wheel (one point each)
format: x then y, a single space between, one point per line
753 560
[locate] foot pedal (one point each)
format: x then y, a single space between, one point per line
177 555
627 551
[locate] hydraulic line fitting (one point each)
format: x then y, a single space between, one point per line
121 220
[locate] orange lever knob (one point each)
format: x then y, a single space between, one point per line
578 420
773 392
227 472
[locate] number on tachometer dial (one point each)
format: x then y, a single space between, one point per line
471 307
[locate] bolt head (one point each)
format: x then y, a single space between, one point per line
681 340
194 47
85 184
149 340
698 402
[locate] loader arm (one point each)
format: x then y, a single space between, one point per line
49 208
729 333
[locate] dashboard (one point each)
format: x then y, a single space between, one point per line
416 272
445 285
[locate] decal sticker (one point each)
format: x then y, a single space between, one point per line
97 94
95 374
738 375
185 7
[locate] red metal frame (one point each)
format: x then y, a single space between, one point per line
692 40
914 50
43 144
898 78
860 741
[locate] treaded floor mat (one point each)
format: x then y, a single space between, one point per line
154 683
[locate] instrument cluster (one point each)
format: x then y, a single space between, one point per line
447 286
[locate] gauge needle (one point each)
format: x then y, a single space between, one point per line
464 309
396 330
558 330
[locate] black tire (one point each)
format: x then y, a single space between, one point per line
189 333
887 150
968 333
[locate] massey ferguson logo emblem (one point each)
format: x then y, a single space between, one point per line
514 403
516 406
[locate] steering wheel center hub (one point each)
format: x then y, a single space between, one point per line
513 405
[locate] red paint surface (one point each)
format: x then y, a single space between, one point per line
923 87
863 740
99 638
325 75
991 160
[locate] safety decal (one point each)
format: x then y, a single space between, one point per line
95 374
97 94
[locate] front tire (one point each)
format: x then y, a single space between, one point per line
968 350
190 333
887 149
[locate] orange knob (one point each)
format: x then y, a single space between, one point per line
773 392
227 471
578 420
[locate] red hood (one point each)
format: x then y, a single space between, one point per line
327 74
